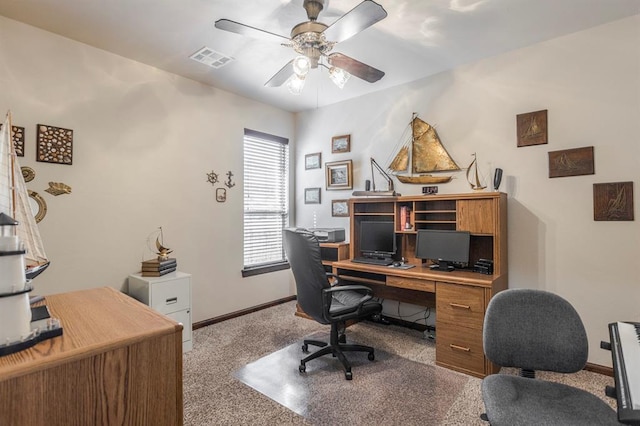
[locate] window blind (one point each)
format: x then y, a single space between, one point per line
266 198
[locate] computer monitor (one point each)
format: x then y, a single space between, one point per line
377 239
445 247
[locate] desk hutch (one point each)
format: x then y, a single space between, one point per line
459 297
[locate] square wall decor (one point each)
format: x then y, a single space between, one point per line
532 128
54 145
571 162
17 136
613 201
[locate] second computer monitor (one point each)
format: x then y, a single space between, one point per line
445 247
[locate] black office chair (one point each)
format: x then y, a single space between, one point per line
324 302
537 330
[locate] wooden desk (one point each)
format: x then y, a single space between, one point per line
459 297
118 362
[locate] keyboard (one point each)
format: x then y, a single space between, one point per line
625 352
373 261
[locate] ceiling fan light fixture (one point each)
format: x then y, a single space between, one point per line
339 76
295 84
301 65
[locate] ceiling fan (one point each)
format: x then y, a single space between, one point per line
313 41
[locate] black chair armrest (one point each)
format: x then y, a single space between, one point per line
368 295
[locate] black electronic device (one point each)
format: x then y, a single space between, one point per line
484 266
497 178
377 240
445 247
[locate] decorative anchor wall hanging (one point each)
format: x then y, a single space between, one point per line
221 193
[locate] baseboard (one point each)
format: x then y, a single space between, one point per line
601 369
200 324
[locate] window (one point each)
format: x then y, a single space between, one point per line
266 201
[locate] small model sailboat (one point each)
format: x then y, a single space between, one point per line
14 201
426 153
475 184
163 252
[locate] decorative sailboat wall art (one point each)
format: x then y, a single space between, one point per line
473 177
421 147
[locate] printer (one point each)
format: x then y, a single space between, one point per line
328 235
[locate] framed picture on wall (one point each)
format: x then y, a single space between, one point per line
312 161
340 144
340 208
312 195
339 175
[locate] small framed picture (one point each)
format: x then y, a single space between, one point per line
340 208
340 144
312 195
339 175
312 161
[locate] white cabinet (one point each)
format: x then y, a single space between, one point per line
169 294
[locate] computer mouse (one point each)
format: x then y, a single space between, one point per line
397 263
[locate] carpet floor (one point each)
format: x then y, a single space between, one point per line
244 371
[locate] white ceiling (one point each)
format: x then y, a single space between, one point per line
418 38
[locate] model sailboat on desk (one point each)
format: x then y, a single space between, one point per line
21 257
14 202
426 153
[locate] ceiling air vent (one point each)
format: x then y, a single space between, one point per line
211 58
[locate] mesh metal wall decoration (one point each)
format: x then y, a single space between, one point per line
54 145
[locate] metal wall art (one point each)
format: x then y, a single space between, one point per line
54 144
312 161
228 183
532 128
212 177
38 205
340 144
58 188
571 162
339 175
613 201
221 195
17 136
28 173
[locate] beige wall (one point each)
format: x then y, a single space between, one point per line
143 143
590 84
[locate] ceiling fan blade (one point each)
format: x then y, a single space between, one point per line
357 19
356 68
246 30
281 76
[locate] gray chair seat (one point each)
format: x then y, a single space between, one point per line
535 330
514 400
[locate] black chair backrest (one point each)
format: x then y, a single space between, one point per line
534 330
303 252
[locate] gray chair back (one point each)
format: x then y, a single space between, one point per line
534 330
303 253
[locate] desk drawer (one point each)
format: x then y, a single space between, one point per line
412 283
460 304
460 348
170 296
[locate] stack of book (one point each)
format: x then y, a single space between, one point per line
158 268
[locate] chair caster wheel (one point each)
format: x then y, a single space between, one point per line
302 368
348 375
371 356
305 348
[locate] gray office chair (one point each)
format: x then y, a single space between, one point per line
537 330
326 303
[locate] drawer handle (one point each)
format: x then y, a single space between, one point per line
457 305
459 348
171 300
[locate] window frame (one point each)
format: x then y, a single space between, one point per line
280 264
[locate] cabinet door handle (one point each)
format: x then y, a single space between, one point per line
171 300
459 348
457 305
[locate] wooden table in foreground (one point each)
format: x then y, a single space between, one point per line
118 363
